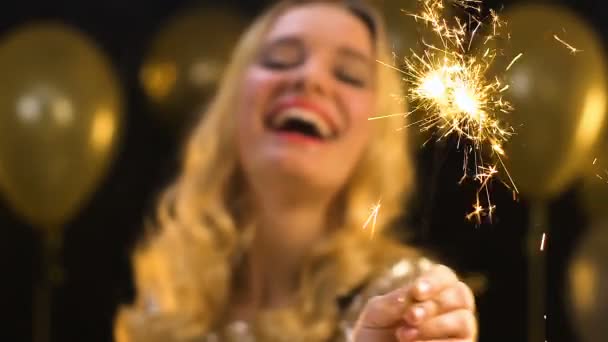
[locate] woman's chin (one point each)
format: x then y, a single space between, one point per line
296 170
295 161
297 155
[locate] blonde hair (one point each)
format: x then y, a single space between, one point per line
186 268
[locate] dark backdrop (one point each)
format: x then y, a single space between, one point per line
98 241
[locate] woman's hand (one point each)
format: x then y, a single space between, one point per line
436 307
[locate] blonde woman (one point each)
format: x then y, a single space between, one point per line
260 237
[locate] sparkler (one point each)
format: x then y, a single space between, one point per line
448 84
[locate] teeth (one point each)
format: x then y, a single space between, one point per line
301 114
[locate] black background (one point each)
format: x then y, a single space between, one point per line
98 241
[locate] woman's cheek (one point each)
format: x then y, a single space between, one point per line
257 85
362 111
255 94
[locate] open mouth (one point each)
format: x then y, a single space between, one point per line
300 121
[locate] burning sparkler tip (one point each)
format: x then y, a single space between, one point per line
448 83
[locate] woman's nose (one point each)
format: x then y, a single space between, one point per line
314 77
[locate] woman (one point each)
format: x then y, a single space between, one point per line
260 236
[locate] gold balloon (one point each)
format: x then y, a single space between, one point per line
594 189
60 116
186 60
588 285
402 29
559 97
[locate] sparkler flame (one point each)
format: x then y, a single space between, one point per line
448 84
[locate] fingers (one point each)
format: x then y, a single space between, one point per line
432 282
455 297
459 325
436 307
437 291
442 310
418 313
384 311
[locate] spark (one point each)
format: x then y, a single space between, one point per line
542 242
514 60
498 149
477 213
572 49
604 177
373 217
448 84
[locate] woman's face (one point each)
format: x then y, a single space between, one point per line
305 100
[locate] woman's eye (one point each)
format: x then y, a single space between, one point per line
352 78
283 56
